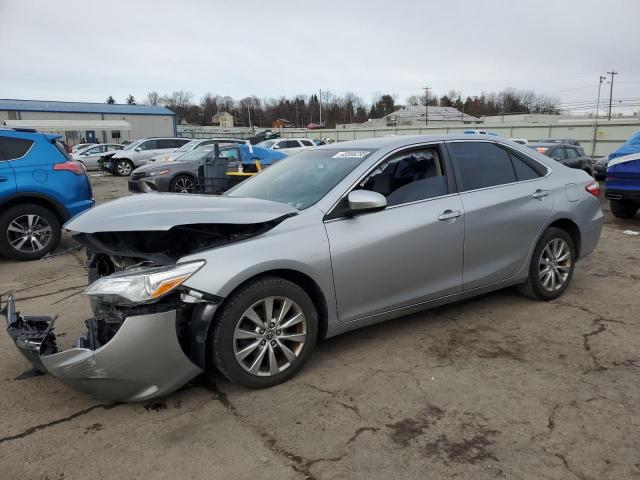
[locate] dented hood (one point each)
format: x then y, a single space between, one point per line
163 211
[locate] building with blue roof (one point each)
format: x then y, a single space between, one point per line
78 121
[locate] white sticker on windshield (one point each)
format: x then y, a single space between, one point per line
351 154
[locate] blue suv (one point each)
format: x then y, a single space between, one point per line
41 187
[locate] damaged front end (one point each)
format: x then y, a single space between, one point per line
127 354
148 334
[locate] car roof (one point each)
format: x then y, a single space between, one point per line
550 144
404 140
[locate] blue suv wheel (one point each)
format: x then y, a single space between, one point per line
28 232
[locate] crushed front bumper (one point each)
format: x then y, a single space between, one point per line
143 360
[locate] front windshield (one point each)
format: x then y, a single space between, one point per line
187 146
303 179
266 144
133 145
197 154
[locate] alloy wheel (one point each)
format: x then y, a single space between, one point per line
269 336
124 168
184 185
29 233
555 265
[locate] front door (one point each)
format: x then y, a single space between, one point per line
506 202
409 252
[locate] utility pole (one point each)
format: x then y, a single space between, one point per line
612 73
320 100
595 126
249 110
426 105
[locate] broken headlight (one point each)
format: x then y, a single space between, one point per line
142 284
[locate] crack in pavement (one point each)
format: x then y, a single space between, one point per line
297 462
333 394
42 426
568 467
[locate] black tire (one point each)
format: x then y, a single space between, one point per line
181 181
534 287
623 209
122 166
17 213
221 340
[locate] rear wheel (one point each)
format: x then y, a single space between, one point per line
264 333
123 167
183 184
623 209
28 232
552 266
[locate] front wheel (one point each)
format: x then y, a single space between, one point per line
264 333
552 266
123 167
623 209
183 184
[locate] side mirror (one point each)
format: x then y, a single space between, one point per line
138 149
276 147
366 200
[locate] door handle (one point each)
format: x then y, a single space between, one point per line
3 179
540 193
449 215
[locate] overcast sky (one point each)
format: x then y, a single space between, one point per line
86 51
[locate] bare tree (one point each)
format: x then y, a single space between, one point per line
153 98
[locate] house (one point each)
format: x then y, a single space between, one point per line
415 115
281 123
223 119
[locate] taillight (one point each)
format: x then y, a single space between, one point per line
593 188
72 166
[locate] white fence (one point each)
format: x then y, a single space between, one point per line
597 142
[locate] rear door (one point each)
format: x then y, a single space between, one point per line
506 202
7 177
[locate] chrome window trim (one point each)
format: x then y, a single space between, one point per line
374 166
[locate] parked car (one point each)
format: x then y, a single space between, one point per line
565 153
622 186
80 146
288 146
632 145
90 156
473 131
600 167
41 187
568 141
262 136
182 175
187 147
320 243
137 153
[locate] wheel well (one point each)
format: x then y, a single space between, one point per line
308 285
59 212
572 229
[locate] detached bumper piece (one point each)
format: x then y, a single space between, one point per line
32 335
141 361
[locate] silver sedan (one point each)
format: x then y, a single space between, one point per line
326 241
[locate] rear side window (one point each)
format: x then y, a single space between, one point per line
307 143
13 148
482 164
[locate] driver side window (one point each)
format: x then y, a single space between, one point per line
409 176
